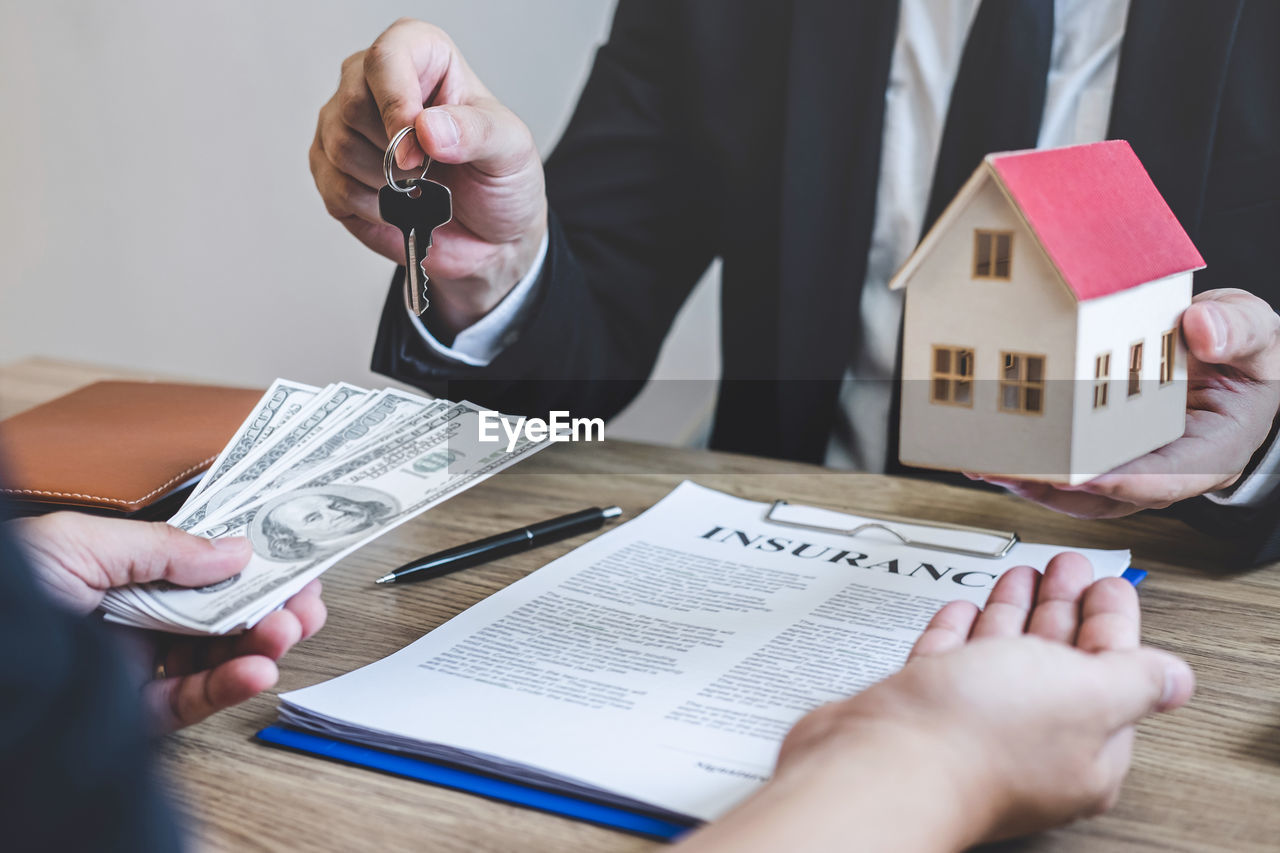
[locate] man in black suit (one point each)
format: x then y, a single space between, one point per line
809 144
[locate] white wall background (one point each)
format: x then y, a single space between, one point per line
157 211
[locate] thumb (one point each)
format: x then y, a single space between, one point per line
78 557
1140 682
484 134
139 552
1232 327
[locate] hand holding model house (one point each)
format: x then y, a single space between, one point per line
1051 343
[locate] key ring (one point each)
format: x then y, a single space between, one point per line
389 161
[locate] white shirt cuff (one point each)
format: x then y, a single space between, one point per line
1253 489
482 341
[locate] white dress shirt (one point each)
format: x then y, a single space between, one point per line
480 343
930 42
926 59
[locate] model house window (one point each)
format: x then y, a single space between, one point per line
1101 380
1022 383
992 254
1135 369
952 376
1168 346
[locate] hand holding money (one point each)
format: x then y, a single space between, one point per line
311 475
78 558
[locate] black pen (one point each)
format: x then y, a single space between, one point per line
493 547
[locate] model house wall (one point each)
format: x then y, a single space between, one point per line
1123 425
1042 335
1031 313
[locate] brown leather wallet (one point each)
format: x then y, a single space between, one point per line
118 446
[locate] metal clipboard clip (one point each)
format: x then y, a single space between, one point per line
1007 539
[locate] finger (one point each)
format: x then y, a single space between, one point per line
191 561
108 552
402 68
1190 466
383 239
485 135
351 154
1070 502
1110 619
277 632
1131 684
309 609
179 658
210 652
178 702
354 104
274 635
1005 613
948 629
1233 327
1056 614
343 195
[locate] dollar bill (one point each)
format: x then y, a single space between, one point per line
283 400
381 413
299 531
427 432
328 406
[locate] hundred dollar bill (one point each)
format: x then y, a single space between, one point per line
248 450
380 414
426 432
332 404
283 400
298 533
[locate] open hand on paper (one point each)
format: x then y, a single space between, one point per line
1006 720
1233 394
78 557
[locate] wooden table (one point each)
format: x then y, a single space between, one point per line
1206 778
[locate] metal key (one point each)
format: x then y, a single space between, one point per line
417 212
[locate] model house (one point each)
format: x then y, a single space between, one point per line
1041 332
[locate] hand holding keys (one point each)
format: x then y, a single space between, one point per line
417 207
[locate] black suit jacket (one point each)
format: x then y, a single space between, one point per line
750 130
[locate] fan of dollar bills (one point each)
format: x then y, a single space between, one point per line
311 475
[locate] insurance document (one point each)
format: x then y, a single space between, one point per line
659 666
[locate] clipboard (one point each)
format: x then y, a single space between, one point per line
472 782
984 543
900 527
972 541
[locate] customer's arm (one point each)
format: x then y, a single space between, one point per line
1005 722
77 558
75 756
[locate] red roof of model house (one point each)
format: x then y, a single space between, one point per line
1097 215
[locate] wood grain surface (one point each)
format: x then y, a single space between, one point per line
1206 778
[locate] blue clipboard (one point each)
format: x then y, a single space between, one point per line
474 783
447 776
1134 576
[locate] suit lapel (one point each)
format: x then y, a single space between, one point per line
837 73
1173 67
